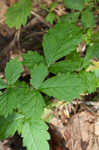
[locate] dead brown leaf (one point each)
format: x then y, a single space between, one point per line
3 9
80 132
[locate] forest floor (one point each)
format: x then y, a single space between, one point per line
75 126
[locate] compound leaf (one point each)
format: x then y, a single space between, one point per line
11 124
61 41
38 74
13 71
35 135
31 58
18 13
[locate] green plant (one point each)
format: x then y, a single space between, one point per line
51 17
17 14
22 104
22 9
78 5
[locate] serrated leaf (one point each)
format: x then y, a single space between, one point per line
7 102
51 17
13 71
35 103
88 19
61 41
22 98
12 97
11 124
35 135
92 51
17 14
72 63
2 84
89 79
70 18
28 100
67 87
78 4
31 58
38 74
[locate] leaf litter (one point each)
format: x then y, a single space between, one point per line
74 126
78 132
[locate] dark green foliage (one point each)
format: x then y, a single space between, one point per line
61 73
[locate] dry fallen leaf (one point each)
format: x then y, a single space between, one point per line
81 131
3 9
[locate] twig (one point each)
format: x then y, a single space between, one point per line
17 38
32 23
41 19
34 34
